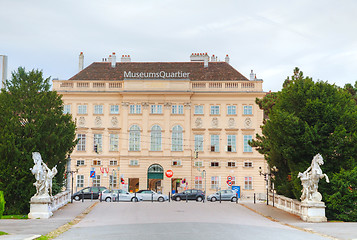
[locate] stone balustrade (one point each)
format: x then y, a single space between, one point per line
287 204
60 199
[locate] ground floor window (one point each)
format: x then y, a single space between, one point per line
112 181
198 182
80 180
214 182
248 183
96 181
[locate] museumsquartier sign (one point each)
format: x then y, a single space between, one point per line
151 75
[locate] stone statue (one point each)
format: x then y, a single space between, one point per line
43 176
310 180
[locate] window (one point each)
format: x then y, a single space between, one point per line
80 162
248 164
97 143
112 181
96 181
81 145
247 110
198 142
248 183
156 109
97 162
134 138
98 109
214 110
215 182
176 163
231 143
82 109
80 181
113 162
198 182
231 164
155 143
246 147
114 109
114 142
199 109
198 164
66 109
233 181
134 163
135 109
231 110
177 109
214 164
177 142
214 143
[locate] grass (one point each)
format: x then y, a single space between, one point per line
14 217
3 233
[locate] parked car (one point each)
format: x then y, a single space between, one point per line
124 196
190 194
88 193
149 195
224 195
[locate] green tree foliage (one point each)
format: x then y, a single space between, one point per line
31 120
342 203
308 118
2 203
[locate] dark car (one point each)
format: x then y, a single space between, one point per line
88 193
189 194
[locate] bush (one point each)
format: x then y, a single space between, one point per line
342 203
2 203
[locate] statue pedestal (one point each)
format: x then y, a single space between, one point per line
40 207
313 211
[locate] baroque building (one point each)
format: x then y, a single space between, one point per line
136 120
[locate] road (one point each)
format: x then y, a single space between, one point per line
179 220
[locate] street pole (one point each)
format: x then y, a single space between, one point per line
72 189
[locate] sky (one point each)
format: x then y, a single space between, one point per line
269 37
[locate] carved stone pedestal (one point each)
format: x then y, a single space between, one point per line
40 207
313 211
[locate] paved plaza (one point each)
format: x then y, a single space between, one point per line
177 220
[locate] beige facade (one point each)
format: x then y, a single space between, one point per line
137 122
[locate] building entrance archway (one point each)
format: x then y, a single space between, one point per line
155 175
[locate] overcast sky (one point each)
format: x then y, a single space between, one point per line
271 37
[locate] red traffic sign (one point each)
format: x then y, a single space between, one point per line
229 183
229 178
169 173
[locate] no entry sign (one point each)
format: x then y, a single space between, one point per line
169 173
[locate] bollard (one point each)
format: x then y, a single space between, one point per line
82 196
254 198
236 198
220 197
186 197
135 197
100 199
152 197
91 196
273 197
118 195
169 196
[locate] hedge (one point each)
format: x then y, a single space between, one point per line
2 203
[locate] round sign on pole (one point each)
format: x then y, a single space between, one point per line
169 173
229 178
229 183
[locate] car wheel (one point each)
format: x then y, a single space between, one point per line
134 199
108 199
77 198
234 199
213 199
178 199
160 199
199 199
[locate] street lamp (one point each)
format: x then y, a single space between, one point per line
72 173
266 178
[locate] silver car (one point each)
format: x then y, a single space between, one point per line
149 195
224 195
124 196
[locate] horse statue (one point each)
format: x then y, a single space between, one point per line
310 180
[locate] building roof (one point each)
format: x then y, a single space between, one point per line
216 71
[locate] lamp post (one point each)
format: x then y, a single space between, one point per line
204 175
69 171
266 178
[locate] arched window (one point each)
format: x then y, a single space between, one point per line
177 138
155 138
134 138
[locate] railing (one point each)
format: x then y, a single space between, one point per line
60 199
72 85
287 204
245 86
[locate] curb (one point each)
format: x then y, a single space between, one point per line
289 225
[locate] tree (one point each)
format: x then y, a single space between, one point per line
308 118
31 120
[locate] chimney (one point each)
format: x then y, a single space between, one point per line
227 59
81 61
113 60
125 58
251 75
200 57
205 62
